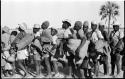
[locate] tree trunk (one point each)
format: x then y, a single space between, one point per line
109 24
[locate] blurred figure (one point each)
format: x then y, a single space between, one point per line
95 36
123 58
46 40
104 57
22 54
104 33
37 49
81 49
85 27
5 37
115 38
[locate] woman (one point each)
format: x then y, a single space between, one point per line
76 47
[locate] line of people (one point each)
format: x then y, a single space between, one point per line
77 48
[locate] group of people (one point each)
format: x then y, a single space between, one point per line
79 49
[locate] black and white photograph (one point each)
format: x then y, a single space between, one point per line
62 39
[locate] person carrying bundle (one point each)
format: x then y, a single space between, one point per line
20 43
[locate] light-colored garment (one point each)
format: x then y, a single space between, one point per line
3 62
37 44
96 36
46 35
8 66
116 36
5 38
73 45
67 32
6 54
22 54
84 50
39 32
25 41
54 38
80 33
62 33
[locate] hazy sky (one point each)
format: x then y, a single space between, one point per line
14 12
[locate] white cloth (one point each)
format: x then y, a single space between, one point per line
84 49
54 38
67 32
22 54
8 66
6 54
80 33
3 62
39 32
73 45
96 36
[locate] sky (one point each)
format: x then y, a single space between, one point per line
14 12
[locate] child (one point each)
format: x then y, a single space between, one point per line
53 50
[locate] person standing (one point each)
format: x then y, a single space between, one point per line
37 49
105 57
22 53
115 37
45 41
95 36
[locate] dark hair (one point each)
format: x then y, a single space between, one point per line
3 32
55 31
67 23
14 33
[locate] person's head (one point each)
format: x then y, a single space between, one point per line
77 25
22 27
66 24
45 25
116 26
53 31
14 33
101 26
85 25
36 28
93 25
5 29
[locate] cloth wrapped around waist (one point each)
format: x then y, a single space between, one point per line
47 49
22 54
73 45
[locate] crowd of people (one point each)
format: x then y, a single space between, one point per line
79 49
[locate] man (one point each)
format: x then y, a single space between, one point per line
115 37
95 36
22 53
103 32
85 27
37 48
76 47
46 40
105 57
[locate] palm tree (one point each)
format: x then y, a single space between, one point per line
108 12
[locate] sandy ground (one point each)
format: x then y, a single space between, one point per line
66 70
